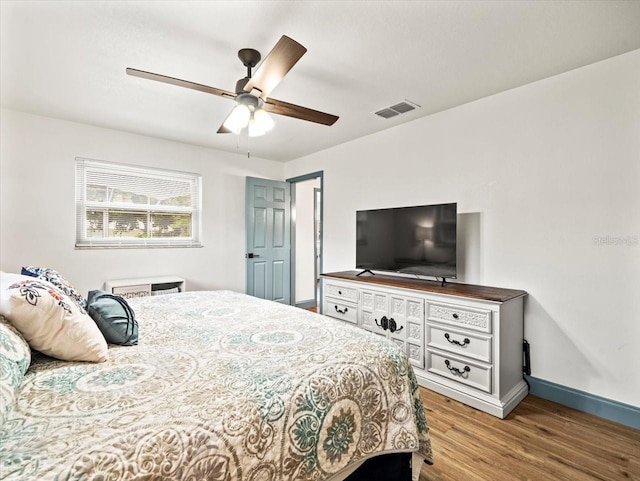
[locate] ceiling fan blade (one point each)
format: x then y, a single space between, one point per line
180 83
279 107
223 129
284 55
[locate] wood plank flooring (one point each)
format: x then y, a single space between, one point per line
539 441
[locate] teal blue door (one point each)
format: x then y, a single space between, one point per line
268 218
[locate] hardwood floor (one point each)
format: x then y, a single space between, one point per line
539 441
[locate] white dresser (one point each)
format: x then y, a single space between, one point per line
464 341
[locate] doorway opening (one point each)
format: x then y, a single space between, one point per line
306 239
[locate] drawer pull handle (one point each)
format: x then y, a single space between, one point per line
393 326
455 315
455 370
388 324
383 324
457 343
341 312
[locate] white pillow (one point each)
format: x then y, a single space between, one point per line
49 320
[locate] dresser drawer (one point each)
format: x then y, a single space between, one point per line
461 316
340 310
340 292
464 343
461 370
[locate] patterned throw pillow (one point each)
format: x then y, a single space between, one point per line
49 320
15 357
55 278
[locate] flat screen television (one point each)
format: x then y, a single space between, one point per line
419 240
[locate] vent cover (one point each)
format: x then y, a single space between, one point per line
397 109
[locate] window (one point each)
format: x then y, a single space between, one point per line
120 205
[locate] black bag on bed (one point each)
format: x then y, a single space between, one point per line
114 317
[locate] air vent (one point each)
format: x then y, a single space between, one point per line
387 113
397 109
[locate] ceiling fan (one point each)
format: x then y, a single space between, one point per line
252 92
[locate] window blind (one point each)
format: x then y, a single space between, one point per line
120 205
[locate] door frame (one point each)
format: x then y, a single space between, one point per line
293 180
317 209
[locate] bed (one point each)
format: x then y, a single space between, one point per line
221 386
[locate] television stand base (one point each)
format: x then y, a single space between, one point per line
364 271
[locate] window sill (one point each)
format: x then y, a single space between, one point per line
136 246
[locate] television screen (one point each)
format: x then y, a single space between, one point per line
417 240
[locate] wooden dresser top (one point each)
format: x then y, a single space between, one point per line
495 294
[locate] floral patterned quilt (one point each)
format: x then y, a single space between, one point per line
222 386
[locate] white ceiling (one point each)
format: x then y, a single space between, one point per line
67 60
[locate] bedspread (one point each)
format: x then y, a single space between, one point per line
222 386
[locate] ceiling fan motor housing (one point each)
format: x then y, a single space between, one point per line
249 100
240 85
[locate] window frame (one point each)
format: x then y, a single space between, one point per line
84 166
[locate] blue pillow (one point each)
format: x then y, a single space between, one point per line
114 317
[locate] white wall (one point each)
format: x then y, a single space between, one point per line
305 240
37 203
541 174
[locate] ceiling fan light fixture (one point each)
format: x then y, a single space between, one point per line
238 119
254 129
263 120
